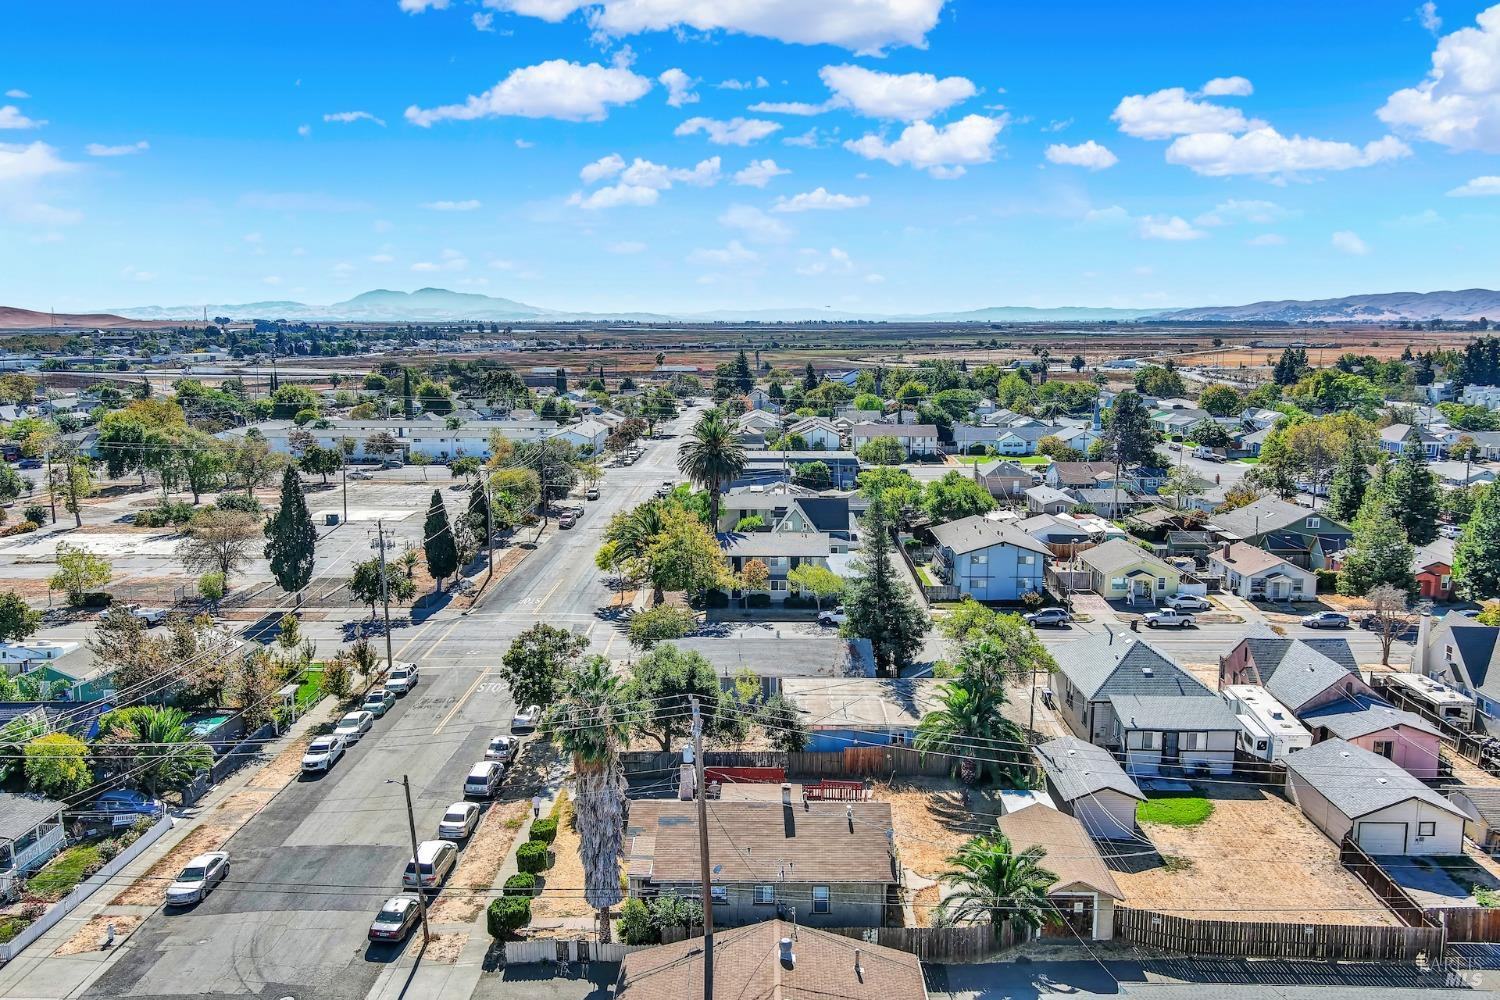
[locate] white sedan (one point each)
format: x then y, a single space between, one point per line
525 718
459 821
199 876
354 725
1188 602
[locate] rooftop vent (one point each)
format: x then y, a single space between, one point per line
787 958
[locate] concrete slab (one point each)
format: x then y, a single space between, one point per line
365 513
122 544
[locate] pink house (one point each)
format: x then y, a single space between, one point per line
1369 723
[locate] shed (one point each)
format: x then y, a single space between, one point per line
1091 786
1085 892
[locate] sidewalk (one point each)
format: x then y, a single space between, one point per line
39 974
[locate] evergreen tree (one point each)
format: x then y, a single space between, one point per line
809 378
1476 556
744 378
560 381
1129 440
881 607
1379 552
438 544
1290 367
1346 493
480 515
406 407
1413 494
291 537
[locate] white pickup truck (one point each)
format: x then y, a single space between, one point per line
1167 618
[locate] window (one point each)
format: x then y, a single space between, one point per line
778 585
979 559
1161 583
1026 560
720 894
1427 829
1314 522
1386 748
765 895
1195 741
820 899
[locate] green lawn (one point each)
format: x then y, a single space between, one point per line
10 927
1033 460
1252 460
924 576
311 687
1175 810
65 871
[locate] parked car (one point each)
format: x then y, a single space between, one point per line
126 805
1450 530
397 916
1167 618
567 520
200 875
391 463
834 616
592 494
148 616
525 718
432 865
503 749
459 821
378 702
29 463
361 475
1048 616
322 753
1404 629
484 780
402 678
1326 619
1187 602
354 725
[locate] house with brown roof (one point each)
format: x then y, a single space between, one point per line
1258 575
1085 892
774 960
828 864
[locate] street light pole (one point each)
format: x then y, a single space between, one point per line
411 823
385 597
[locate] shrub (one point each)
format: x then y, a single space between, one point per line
544 831
716 599
759 601
660 623
211 587
25 527
635 924
1328 581
533 856
239 502
35 513
798 601
109 850
675 911
508 914
751 522
521 884
97 599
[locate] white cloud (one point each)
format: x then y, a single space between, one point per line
418 6
759 83
1458 103
1087 154
30 162
734 132
11 117
99 149
1427 16
17 93
755 224
1235 210
904 96
943 152
759 173
482 22
863 26
640 182
605 166
424 266
343 267
501 264
467 205
1266 240
1479 187
615 196
452 260
790 107
348 117
734 252
1228 86
556 88
1173 111
1265 152
1161 227
382 258
1057 125
679 87
821 200
304 130
816 262
524 144
807 140
1349 243
626 247
705 173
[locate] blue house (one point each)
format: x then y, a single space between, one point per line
843 712
989 560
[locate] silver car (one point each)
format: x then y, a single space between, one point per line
354 725
459 821
199 876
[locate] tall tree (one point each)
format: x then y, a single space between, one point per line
711 458
881 607
18 620
1346 492
990 882
1476 556
661 685
291 539
438 544
218 541
1128 439
537 661
157 745
1413 493
809 377
1379 552
406 394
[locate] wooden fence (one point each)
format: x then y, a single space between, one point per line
976 943
1468 923
1396 898
852 762
1254 939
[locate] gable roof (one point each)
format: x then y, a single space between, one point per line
1357 782
1361 715
1303 674
969 534
867 703
1264 515
1079 473
20 814
1205 712
1051 523
1476 650
747 963
1048 494
1246 558
1486 801
1002 467
1077 768
1269 650
894 430
1118 553
1103 666
1071 854
826 513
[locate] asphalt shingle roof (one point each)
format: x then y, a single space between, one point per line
1117 553
1357 782
1173 713
1264 515
1102 666
1076 769
1476 648
763 544
1071 854
1360 716
20 814
1302 675
969 534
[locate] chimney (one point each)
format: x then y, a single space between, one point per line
859 971
786 795
1227 546
1419 651
788 959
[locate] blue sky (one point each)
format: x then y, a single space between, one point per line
950 154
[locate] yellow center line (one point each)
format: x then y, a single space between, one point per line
440 640
548 595
463 699
416 635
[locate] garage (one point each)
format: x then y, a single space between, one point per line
1382 838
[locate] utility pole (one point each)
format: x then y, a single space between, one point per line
411 824
344 475
489 528
703 868
385 596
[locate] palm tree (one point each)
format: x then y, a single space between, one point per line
711 457
991 882
969 729
158 745
590 721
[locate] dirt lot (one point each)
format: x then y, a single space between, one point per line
91 935
560 895
1256 858
483 855
931 824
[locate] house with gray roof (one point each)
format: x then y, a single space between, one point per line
990 560
1089 784
31 833
1302 537
1350 792
1003 478
780 551
1121 570
1483 808
1375 725
1092 671
1049 500
1262 652
1170 734
1466 654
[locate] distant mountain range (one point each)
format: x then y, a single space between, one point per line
426 305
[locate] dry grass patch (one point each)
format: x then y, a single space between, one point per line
562 895
445 948
90 936
464 898
932 824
